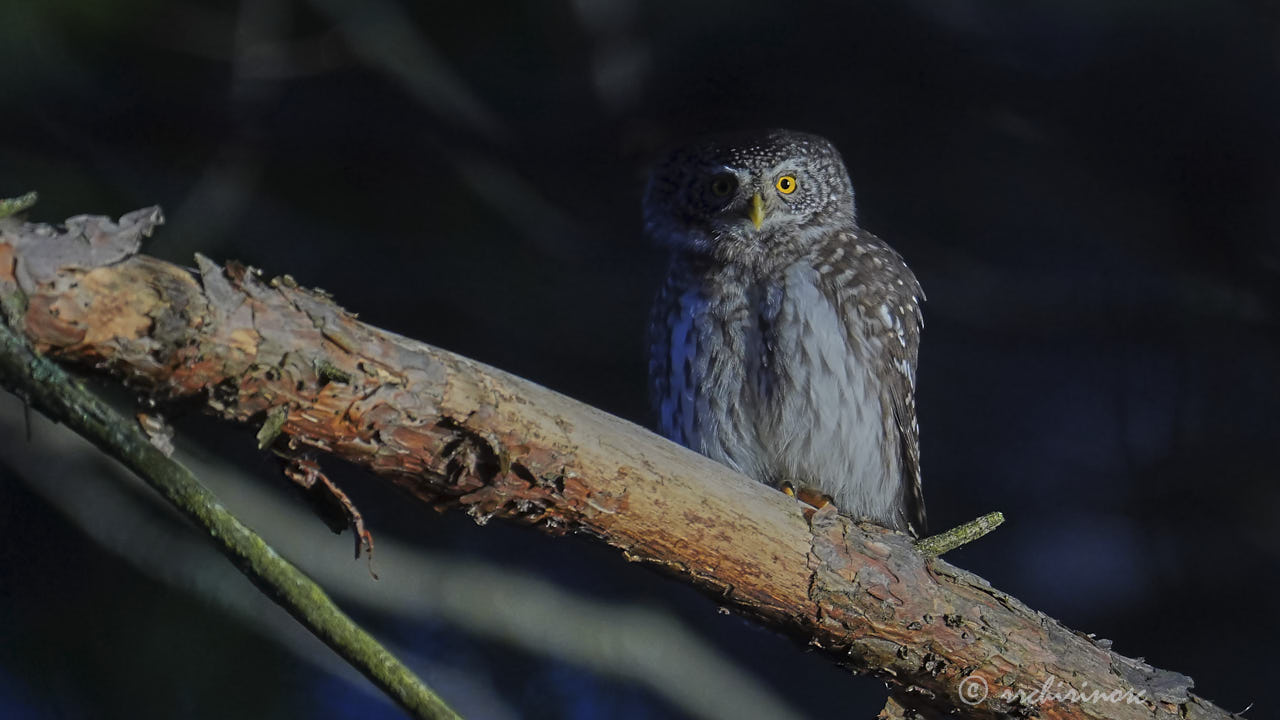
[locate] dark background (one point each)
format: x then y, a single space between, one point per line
1087 191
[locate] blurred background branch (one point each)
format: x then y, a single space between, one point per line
40 382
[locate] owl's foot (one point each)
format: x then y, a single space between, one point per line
814 499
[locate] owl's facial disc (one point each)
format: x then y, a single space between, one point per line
761 199
741 195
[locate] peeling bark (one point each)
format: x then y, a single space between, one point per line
456 433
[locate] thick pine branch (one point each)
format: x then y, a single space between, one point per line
455 432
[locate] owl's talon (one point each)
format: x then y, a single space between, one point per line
815 498
812 500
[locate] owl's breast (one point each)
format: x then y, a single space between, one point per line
822 420
770 376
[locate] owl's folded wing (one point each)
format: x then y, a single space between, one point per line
873 283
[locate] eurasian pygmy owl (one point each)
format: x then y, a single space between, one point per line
783 343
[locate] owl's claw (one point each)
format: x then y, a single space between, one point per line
815 498
812 499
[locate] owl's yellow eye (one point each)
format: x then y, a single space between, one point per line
722 185
786 184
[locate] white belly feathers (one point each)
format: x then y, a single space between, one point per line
784 350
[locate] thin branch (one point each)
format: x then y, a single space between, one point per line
945 542
456 433
45 385
623 640
13 206
118 512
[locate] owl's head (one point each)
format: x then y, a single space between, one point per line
735 196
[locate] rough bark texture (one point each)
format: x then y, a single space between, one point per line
455 432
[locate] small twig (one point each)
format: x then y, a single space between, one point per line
945 542
65 400
12 206
270 429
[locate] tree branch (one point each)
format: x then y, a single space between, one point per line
454 432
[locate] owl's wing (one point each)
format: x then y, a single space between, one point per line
874 284
672 343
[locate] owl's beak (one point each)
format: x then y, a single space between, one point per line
756 211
